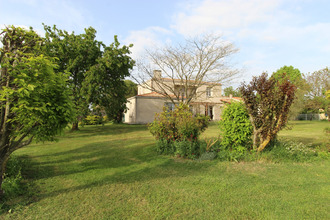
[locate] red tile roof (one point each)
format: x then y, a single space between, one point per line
229 100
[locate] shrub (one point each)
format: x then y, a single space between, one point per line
12 184
177 131
236 127
94 120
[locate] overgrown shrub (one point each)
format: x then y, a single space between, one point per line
177 131
236 127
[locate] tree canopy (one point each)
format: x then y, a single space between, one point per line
297 78
34 100
105 81
96 72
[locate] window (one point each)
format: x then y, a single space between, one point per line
208 92
169 106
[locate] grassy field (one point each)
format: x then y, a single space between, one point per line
113 172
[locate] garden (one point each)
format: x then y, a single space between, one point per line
115 171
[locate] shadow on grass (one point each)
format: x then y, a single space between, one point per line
111 162
108 129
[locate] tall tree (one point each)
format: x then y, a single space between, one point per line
76 55
296 77
131 88
268 101
105 80
34 101
188 66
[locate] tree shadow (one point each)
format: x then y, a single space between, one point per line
108 129
127 161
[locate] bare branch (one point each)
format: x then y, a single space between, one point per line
187 67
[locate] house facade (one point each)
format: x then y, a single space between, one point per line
207 99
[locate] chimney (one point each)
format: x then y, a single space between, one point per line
157 74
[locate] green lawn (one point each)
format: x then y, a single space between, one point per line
113 172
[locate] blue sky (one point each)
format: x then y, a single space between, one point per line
268 33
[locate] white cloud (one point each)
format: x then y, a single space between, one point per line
223 15
146 39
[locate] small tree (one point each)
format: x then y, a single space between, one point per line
34 101
268 102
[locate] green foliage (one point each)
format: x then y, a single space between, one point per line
105 82
34 100
296 77
131 89
75 55
94 120
12 184
177 131
231 91
236 127
293 74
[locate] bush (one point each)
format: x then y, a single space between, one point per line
12 184
236 128
177 131
94 120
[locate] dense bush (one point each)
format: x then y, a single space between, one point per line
236 127
177 131
94 120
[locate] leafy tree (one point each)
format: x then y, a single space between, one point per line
268 101
131 89
231 91
34 101
76 55
105 80
296 77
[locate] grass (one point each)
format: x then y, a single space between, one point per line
113 172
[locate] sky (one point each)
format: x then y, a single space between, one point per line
268 33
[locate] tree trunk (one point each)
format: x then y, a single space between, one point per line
264 143
3 162
75 126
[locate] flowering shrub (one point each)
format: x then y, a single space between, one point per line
177 131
